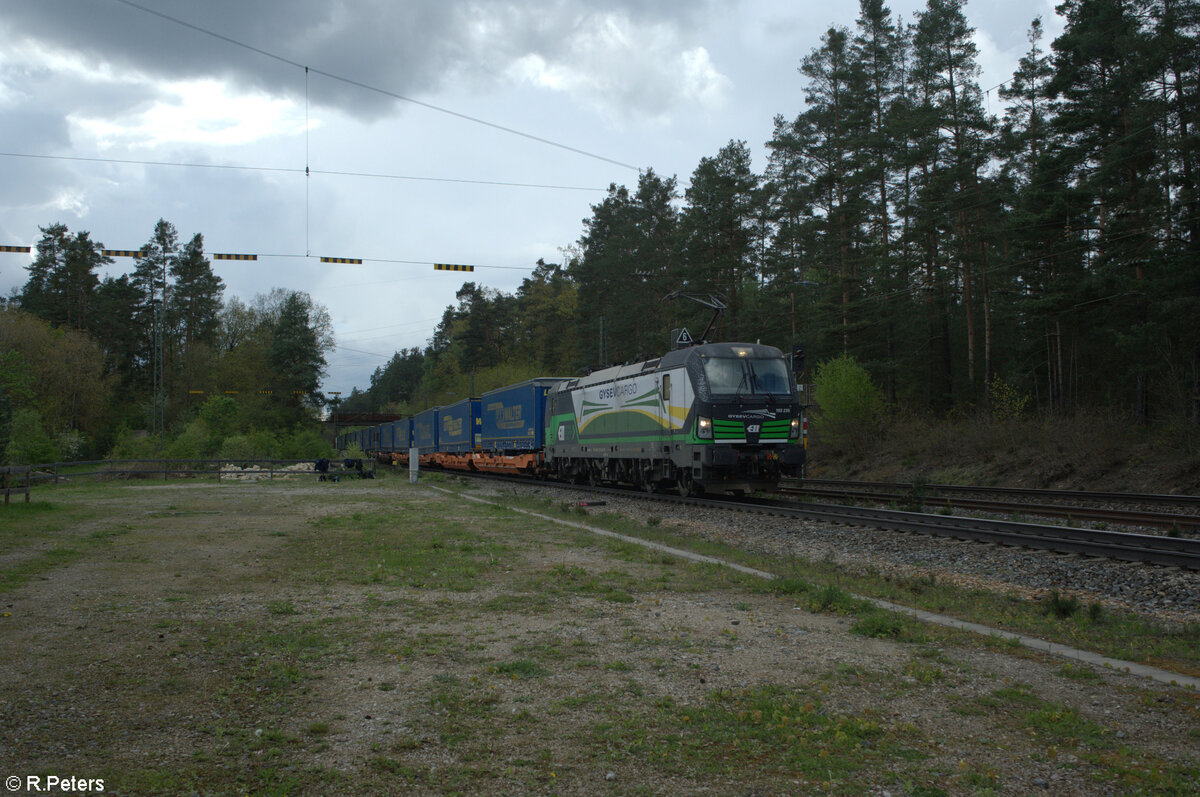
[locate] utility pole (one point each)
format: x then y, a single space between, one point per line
159 412
336 402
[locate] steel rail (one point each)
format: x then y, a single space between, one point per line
1131 517
1088 496
1124 546
1151 548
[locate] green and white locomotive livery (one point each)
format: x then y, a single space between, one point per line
718 417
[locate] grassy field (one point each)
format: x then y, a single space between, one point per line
377 637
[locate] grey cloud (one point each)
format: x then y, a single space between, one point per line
27 181
408 48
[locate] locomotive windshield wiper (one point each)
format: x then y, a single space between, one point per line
754 388
759 387
742 383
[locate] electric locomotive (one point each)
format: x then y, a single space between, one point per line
714 417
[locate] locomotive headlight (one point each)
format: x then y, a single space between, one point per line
795 430
704 428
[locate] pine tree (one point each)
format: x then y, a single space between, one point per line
626 264
195 302
876 53
546 312
716 231
952 141
1177 36
1103 63
831 129
76 282
1042 266
296 356
37 294
62 278
149 279
116 302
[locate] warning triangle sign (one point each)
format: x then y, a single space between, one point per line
684 339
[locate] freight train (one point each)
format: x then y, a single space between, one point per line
713 417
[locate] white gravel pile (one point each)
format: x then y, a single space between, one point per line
256 472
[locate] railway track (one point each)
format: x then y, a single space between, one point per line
1125 546
1005 500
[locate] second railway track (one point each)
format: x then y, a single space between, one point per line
1175 513
1125 546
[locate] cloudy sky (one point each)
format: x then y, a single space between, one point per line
447 131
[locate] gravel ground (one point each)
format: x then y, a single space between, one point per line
1168 594
270 639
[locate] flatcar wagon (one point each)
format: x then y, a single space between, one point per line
513 424
425 434
458 434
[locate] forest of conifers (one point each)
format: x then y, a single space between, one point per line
1044 236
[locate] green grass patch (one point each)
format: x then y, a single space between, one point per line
882 624
1076 673
281 607
400 548
18 574
522 668
43 535
612 585
769 731
1064 726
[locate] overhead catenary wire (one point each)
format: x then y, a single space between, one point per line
376 89
305 171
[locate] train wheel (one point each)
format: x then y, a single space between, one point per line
645 479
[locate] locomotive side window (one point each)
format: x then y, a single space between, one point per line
666 387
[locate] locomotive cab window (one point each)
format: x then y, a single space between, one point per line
666 387
746 376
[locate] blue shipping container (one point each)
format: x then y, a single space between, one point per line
458 427
514 416
402 435
425 431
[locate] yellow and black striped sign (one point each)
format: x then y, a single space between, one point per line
451 267
14 249
352 260
224 256
123 252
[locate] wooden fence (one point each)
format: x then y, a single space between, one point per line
240 469
8 471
